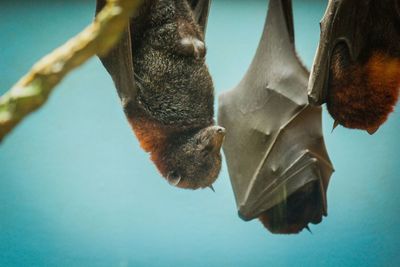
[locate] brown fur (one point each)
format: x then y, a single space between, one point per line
300 209
362 95
172 115
194 154
153 139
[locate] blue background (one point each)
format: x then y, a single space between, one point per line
76 189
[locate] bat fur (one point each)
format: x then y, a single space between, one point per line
172 115
362 93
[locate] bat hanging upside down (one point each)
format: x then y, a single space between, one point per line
283 172
363 41
173 107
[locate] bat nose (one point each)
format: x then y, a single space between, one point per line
220 130
219 136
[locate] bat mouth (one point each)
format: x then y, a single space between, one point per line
187 184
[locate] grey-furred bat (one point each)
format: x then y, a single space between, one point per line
166 90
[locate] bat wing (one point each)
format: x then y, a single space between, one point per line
119 63
344 21
201 9
356 70
274 144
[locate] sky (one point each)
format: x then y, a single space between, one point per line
77 190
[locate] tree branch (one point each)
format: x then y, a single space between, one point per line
32 90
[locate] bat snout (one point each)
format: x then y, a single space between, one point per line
220 130
218 136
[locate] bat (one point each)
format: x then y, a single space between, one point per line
274 148
356 70
166 91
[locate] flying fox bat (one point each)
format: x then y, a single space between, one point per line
274 147
166 90
356 69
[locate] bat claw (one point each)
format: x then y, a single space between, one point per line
335 124
212 188
308 229
371 131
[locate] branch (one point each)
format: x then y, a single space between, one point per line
32 90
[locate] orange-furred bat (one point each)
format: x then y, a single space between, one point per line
166 90
356 71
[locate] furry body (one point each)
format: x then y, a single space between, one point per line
173 113
362 93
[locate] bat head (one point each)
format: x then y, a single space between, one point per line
357 66
293 215
362 95
193 160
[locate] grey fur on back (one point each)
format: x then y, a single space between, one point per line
174 87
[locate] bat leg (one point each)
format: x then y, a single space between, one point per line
292 216
361 95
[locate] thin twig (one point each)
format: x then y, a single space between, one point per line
33 89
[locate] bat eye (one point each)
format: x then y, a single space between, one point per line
173 178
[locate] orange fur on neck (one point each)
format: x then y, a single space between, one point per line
152 138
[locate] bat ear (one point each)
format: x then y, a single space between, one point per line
200 9
173 178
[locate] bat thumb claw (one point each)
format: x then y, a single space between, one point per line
308 229
371 131
212 188
335 124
